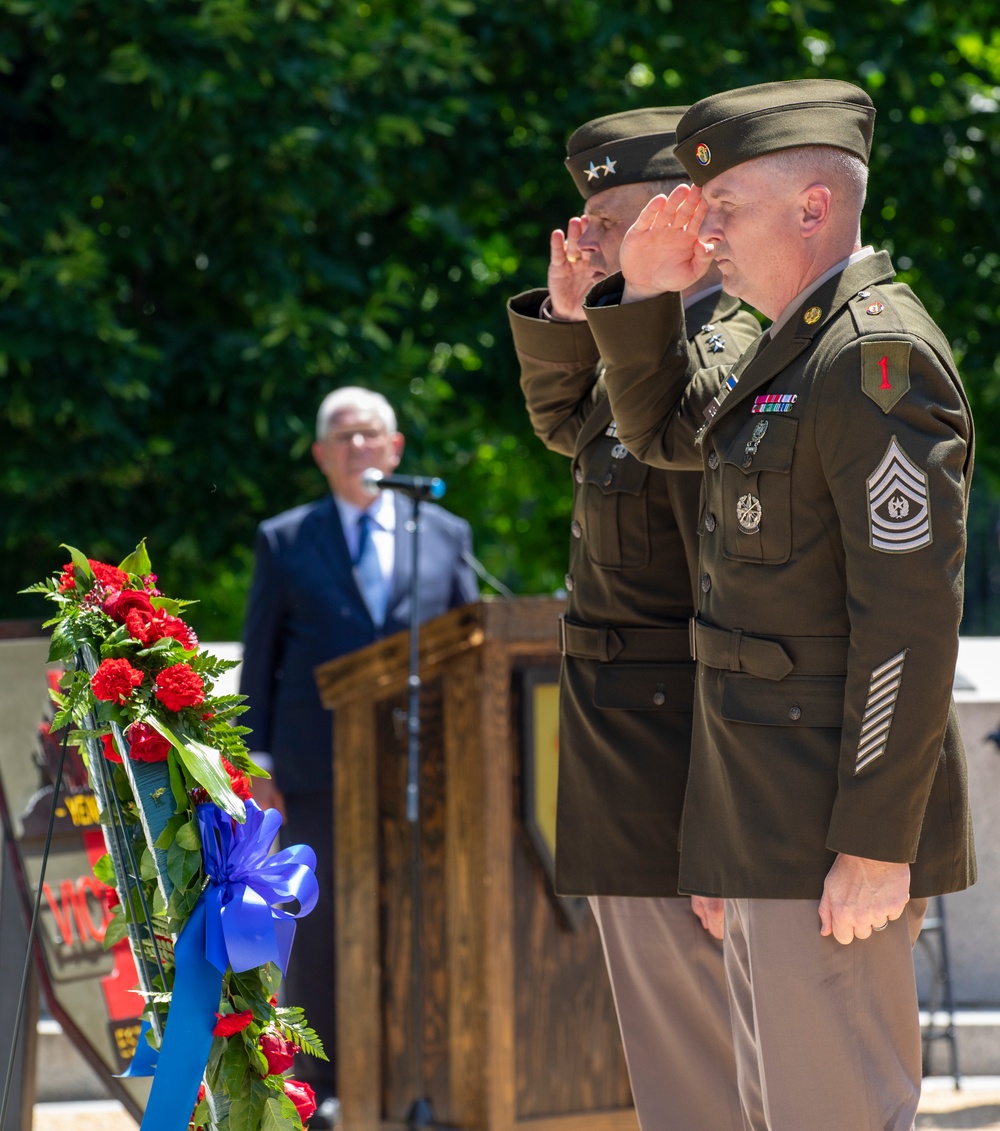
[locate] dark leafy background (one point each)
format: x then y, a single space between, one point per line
213 211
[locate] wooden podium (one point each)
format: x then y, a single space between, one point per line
516 1013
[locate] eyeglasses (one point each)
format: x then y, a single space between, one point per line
346 436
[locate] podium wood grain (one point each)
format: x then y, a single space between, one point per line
516 1014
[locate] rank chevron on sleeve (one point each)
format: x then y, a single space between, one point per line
899 516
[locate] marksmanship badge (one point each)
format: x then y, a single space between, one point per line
899 517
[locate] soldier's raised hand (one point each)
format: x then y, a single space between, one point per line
662 250
570 273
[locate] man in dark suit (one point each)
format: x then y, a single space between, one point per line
329 578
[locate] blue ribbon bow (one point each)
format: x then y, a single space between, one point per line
244 929
234 923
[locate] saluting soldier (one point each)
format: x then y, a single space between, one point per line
627 679
827 797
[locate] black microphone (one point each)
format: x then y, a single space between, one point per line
416 486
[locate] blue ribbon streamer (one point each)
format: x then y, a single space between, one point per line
234 923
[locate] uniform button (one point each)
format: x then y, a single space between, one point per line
659 698
710 522
706 583
608 479
576 528
795 713
713 460
578 474
569 583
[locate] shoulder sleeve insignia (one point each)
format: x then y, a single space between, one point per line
899 516
885 372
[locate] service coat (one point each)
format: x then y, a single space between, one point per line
627 678
837 470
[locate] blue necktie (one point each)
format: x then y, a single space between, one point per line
369 569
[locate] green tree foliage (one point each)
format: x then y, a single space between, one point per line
214 211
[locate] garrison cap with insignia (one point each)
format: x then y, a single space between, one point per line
727 129
625 149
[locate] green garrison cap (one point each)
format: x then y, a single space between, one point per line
624 149
727 129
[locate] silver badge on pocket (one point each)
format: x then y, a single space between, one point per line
619 451
748 513
754 443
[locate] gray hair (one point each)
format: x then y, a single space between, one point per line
353 396
847 174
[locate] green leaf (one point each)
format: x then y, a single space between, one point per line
116 930
246 1111
204 764
137 563
276 1117
104 870
79 560
188 836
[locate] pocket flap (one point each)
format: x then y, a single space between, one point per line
798 701
645 687
767 441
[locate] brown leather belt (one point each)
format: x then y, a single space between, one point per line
735 651
608 642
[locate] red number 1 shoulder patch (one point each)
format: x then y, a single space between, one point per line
885 372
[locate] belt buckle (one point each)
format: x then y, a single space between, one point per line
562 634
693 637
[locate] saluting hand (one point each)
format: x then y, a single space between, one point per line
662 250
861 896
570 273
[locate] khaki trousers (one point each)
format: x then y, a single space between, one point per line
669 986
827 1037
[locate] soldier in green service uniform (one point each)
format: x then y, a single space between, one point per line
627 679
827 795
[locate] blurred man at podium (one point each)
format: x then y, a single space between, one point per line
329 578
627 683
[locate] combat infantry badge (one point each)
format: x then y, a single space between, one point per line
899 517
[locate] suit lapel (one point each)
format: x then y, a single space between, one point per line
599 420
327 532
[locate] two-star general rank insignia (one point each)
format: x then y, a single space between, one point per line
899 516
885 372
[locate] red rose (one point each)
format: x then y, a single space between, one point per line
180 686
278 1051
111 899
120 602
146 744
110 752
241 781
304 1098
111 576
231 1023
115 680
67 579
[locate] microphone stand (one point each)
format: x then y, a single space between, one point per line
420 1114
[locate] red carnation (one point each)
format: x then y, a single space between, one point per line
111 576
149 626
120 602
110 752
180 686
146 744
304 1098
231 1023
67 579
115 680
241 781
279 1052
